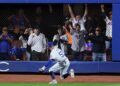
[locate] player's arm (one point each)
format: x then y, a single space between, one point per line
71 11
49 62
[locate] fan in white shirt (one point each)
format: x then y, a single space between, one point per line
37 41
78 19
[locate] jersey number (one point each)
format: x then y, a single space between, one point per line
61 54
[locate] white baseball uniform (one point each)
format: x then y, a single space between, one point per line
62 63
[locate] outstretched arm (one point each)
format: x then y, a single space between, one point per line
103 11
26 19
86 11
71 11
49 62
102 8
50 8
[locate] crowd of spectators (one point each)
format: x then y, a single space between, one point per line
82 38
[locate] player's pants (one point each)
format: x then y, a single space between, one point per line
62 67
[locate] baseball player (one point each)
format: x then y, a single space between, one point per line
62 63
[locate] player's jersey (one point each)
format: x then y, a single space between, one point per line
57 55
80 22
108 27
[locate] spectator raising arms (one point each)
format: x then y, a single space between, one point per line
78 19
69 37
108 20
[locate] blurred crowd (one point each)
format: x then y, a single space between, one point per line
81 37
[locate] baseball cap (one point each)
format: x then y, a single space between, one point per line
54 43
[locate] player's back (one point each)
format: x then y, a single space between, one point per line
57 54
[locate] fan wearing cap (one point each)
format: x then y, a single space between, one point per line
62 63
98 48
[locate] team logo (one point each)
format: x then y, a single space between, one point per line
4 64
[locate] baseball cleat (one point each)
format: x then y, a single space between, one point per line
53 82
61 77
72 74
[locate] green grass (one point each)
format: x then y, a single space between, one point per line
60 84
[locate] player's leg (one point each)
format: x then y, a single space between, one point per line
64 70
61 75
56 67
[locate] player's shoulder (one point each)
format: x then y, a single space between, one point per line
53 50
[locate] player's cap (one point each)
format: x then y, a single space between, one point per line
55 42
50 44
